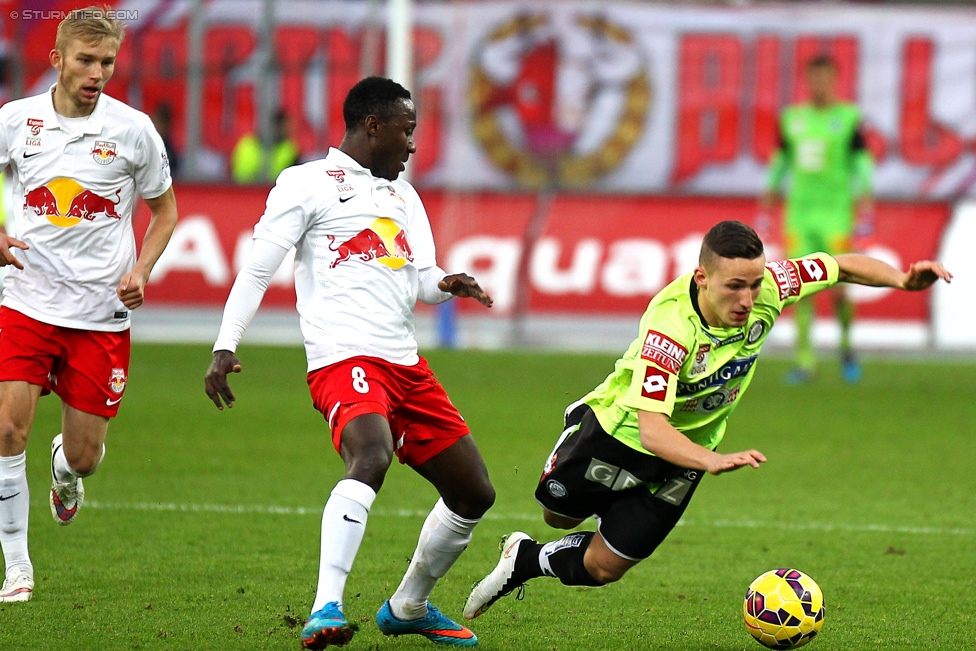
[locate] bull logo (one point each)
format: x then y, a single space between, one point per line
383 241
87 205
66 203
103 152
42 201
117 382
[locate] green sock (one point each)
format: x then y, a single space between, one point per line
803 317
845 315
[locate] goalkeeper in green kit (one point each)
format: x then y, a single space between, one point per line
633 450
823 154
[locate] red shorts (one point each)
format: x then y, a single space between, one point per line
86 369
422 419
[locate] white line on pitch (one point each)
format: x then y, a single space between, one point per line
408 513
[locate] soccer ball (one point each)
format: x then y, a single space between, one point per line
783 609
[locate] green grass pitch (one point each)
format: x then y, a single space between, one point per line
202 527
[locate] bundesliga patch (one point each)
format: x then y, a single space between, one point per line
701 360
812 270
663 351
35 125
655 384
786 277
338 175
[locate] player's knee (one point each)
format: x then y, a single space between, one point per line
369 467
605 575
13 439
471 503
84 461
479 503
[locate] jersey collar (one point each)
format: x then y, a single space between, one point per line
96 119
693 291
345 161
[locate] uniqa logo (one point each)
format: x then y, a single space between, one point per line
558 102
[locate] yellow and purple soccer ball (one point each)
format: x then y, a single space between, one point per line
783 609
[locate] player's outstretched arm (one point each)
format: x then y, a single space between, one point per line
864 270
464 286
215 383
662 439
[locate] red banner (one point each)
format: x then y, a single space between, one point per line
594 255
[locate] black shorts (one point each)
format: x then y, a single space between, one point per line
638 498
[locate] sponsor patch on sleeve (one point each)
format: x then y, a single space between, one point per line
655 384
663 351
786 277
812 270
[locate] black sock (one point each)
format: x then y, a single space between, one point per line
527 561
564 556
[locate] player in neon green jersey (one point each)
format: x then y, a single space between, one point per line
823 153
634 449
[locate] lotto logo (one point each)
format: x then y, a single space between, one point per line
812 270
655 385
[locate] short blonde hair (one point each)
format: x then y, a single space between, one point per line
90 24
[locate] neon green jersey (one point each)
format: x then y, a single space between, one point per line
694 373
824 154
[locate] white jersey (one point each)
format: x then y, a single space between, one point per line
73 198
359 241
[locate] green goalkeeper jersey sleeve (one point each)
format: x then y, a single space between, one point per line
694 373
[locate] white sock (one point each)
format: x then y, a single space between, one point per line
443 537
343 526
14 508
63 472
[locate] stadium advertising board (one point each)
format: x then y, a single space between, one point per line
595 256
608 97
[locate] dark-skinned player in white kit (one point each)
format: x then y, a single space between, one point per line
365 255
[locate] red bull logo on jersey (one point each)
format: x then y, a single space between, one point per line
383 241
103 152
66 203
